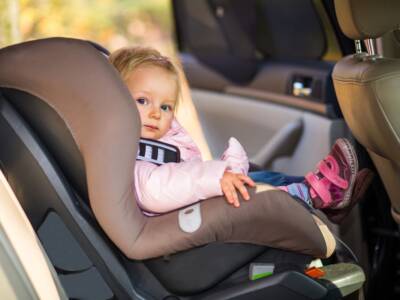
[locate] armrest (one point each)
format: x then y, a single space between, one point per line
283 143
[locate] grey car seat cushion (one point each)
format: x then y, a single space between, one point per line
78 82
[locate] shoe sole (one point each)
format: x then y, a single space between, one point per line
351 158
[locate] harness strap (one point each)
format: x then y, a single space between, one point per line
157 152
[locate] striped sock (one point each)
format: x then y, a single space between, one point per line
300 190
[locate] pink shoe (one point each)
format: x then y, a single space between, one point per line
331 185
363 181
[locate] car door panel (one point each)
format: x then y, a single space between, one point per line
260 124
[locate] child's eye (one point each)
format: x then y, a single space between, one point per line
142 101
166 107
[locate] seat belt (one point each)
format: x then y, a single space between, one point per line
157 152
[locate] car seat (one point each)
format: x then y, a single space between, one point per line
70 140
368 89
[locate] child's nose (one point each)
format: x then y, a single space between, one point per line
155 112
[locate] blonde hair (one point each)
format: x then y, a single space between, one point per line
126 60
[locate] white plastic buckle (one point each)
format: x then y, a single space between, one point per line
189 218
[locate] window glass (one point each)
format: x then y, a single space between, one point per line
111 23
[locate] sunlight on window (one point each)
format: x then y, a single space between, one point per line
111 23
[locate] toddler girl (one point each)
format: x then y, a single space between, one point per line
153 82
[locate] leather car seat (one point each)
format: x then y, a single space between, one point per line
367 86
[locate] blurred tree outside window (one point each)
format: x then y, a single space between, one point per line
9 22
111 23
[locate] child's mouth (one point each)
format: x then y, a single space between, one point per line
151 127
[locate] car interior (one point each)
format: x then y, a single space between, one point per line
268 85
21 277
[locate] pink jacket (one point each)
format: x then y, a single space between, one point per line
174 185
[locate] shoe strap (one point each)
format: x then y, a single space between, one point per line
319 187
330 169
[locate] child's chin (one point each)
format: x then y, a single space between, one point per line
147 135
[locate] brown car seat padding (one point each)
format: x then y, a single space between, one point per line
78 82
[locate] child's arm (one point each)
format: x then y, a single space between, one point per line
171 186
174 185
236 157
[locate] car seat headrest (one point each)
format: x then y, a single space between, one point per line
77 82
100 48
303 30
364 19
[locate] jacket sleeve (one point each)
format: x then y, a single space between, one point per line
174 185
236 157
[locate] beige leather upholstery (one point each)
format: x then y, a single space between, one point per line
83 89
369 95
368 88
362 19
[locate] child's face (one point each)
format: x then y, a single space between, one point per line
155 91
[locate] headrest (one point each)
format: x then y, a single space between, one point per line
301 37
363 19
78 83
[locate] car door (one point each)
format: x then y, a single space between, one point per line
260 71
25 270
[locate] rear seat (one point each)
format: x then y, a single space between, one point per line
283 60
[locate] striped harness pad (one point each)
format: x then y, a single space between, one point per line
157 152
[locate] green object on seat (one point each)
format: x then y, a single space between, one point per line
260 270
261 275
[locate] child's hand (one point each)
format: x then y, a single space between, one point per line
231 182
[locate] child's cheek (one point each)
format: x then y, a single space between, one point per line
141 113
171 118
